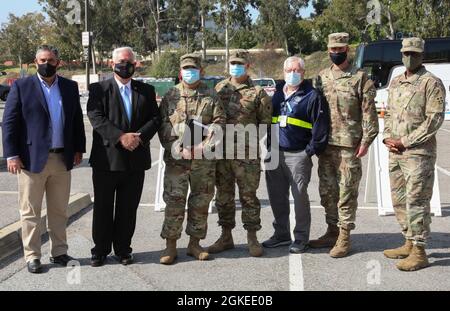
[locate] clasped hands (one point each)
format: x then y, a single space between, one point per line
130 141
394 145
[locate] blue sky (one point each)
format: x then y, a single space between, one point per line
25 6
17 8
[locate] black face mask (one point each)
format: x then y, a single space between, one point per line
46 70
124 70
338 58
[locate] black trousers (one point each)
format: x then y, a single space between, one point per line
116 199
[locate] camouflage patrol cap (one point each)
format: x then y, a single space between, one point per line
241 56
338 39
412 45
192 59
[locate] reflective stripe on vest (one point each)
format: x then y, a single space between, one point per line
294 121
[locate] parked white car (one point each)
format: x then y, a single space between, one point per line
268 85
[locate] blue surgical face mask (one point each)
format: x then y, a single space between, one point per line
191 75
237 70
293 78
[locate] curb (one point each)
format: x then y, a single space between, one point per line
10 236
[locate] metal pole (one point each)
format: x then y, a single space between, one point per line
86 26
203 35
187 38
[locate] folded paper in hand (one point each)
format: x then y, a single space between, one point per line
194 133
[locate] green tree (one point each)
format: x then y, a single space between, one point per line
276 22
22 35
185 17
168 65
341 16
113 23
244 39
66 36
319 6
423 18
300 38
231 16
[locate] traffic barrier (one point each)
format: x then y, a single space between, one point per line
378 188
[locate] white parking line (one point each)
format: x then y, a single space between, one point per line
359 207
445 130
9 192
296 281
443 170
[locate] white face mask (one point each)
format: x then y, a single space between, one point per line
293 78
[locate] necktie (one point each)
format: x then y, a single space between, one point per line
127 102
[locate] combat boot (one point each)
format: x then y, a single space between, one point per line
224 242
342 247
416 260
195 250
328 239
399 252
254 247
169 255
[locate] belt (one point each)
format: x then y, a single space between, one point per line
56 150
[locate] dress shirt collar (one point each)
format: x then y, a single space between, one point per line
45 83
289 94
120 84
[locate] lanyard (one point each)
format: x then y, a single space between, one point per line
288 104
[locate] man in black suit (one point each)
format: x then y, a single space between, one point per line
125 116
43 138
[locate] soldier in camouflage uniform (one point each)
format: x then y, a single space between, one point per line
414 114
245 104
354 126
189 100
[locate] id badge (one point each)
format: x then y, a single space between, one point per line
283 121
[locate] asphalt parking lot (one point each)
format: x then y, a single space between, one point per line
365 269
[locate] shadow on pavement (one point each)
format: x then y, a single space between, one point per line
44 238
240 251
443 263
378 242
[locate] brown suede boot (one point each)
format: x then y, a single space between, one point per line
328 239
342 247
254 247
416 260
169 255
195 250
224 242
399 252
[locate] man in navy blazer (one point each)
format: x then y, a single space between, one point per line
43 138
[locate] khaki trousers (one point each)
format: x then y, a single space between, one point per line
54 181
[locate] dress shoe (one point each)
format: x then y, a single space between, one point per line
127 259
34 266
97 260
62 260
